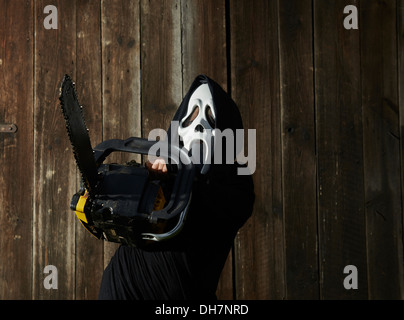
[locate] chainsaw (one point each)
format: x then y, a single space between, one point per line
125 203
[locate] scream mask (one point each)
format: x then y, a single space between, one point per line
196 128
205 109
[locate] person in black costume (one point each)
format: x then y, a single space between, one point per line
188 266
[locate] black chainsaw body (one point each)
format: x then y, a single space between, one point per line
131 205
125 203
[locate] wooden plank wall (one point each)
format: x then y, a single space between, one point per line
326 102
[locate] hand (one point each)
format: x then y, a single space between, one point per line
159 165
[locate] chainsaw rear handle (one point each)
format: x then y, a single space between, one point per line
185 173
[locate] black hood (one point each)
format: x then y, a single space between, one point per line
226 111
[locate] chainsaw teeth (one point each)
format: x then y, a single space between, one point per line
84 135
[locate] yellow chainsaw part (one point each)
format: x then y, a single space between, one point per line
80 207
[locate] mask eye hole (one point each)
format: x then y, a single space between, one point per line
210 117
191 117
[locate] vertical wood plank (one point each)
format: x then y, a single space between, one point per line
121 111
298 149
342 230
16 150
89 251
382 149
161 62
259 248
204 46
204 51
55 173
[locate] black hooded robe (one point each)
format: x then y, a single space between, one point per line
188 266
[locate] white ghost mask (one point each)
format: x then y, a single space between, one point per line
197 126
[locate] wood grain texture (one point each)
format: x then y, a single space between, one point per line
341 216
54 172
161 62
298 149
259 248
381 147
204 42
16 149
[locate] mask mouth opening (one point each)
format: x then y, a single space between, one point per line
200 152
